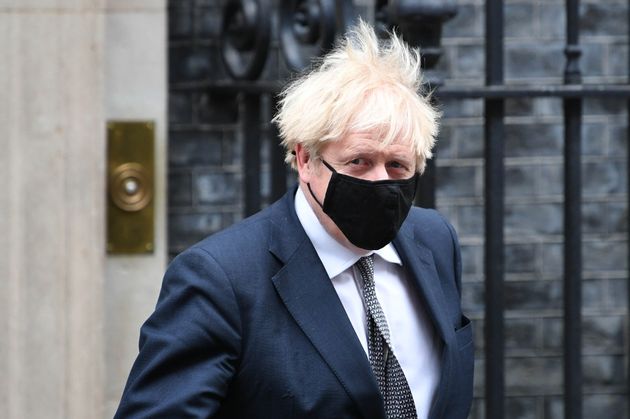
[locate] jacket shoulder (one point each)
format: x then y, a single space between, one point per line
428 223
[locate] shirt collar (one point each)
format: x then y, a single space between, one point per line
335 257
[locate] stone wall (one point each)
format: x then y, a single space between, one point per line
51 163
69 312
135 88
206 184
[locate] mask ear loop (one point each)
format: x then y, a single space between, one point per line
313 195
309 184
332 169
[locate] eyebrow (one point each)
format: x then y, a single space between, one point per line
395 156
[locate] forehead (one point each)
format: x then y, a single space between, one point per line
369 142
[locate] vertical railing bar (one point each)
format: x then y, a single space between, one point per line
628 233
572 224
278 166
251 152
572 261
494 261
425 195
494 210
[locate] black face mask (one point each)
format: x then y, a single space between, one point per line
368 213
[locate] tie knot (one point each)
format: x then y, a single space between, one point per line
366 268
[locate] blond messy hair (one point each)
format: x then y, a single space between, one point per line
362 85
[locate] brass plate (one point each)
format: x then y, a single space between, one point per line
130 187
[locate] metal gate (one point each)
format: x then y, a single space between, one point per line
308 28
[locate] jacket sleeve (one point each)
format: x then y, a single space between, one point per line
189 346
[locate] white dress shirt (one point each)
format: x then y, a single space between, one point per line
412 336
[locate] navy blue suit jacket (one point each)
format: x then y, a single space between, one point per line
248 325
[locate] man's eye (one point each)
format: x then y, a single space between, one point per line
357 161
396 165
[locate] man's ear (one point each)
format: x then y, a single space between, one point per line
303 159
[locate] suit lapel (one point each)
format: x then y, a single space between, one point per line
309 296
418 260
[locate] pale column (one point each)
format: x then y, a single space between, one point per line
135 89
51 209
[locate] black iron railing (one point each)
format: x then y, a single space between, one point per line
494 198
307 35
572 222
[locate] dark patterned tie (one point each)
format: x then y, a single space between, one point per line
389 375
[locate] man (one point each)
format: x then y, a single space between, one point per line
337 301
